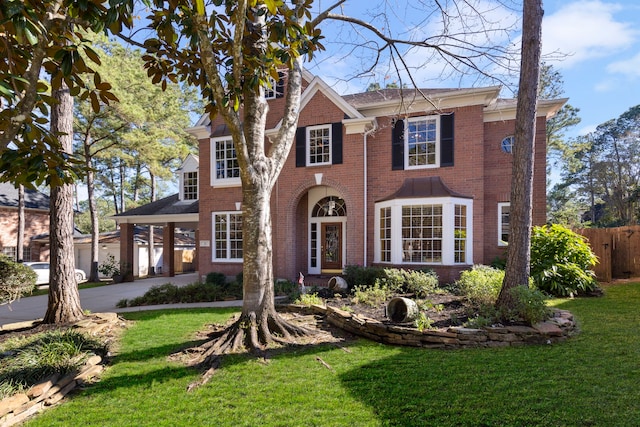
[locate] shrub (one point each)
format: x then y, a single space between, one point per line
480 285
356 275
371 295
216 278
561 261
15 280
194 292
530 306
309 300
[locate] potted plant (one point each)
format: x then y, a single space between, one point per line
111 268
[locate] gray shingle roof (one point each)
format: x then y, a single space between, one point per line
32 199
167 206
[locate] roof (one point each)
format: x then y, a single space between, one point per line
422 187
362 99
168 206
32 199
140 235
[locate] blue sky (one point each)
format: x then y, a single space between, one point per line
599 41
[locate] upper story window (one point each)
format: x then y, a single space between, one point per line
504 227
507 144
422 142
190 186
422 136
319 145
224 163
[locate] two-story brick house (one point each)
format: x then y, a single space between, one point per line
405 178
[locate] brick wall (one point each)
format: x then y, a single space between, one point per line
36 222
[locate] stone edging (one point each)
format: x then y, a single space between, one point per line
17 408
556 329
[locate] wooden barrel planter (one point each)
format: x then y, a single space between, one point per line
402 310
337 284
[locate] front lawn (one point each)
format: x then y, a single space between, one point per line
591 380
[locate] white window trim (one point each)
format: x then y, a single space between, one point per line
448 228
406 143
501 206
183 186
271 92
308 145
217 182
214 257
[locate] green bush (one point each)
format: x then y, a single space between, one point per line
357 275
371 295
15 280
480 285
561 261
216 278
530 306
419 282
194 292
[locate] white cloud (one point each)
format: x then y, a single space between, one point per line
629 67
586 30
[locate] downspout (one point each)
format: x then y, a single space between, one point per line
366 189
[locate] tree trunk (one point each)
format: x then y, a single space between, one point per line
152 256
20 237
519 250
93 212
64 299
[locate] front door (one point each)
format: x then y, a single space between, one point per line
331 248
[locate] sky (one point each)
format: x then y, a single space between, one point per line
595 45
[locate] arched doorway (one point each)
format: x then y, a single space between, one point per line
327 231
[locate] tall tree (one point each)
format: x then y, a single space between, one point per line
64 299
231 51
519 250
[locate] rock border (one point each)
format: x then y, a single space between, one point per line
19 407
560 326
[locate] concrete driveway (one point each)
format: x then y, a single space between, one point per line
104 299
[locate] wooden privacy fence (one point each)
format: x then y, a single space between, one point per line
617 249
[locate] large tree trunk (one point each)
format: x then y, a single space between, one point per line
519 251
64 299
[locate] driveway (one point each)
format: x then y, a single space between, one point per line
104 299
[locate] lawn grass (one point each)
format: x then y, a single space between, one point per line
591 380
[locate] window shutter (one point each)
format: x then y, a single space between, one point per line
446 140
397 146
336 143
280 86
301 147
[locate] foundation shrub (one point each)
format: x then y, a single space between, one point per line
480 285
15 280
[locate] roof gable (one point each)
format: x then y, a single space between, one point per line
32 199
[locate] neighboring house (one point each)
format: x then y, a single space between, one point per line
383 178
36 222
176 212
109 244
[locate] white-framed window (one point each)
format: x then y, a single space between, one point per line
424 231
225 170
507 144
190 186
319 145
271 91
504 224
227 236
422 142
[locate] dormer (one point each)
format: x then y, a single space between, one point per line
188 179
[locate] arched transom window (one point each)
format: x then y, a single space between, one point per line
330 206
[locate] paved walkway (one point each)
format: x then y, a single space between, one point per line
105 298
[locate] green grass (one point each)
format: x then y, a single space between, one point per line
591 380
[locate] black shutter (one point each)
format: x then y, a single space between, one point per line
301 147
336 143
280 86
446 140
397 146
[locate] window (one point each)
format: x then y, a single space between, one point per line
460 234
433 230
504 227
190 186
507 144
227 228
224 161
12 252
385 234
422 233
275 88
422 136
319 145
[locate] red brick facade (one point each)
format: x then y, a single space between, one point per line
36 223
481 171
